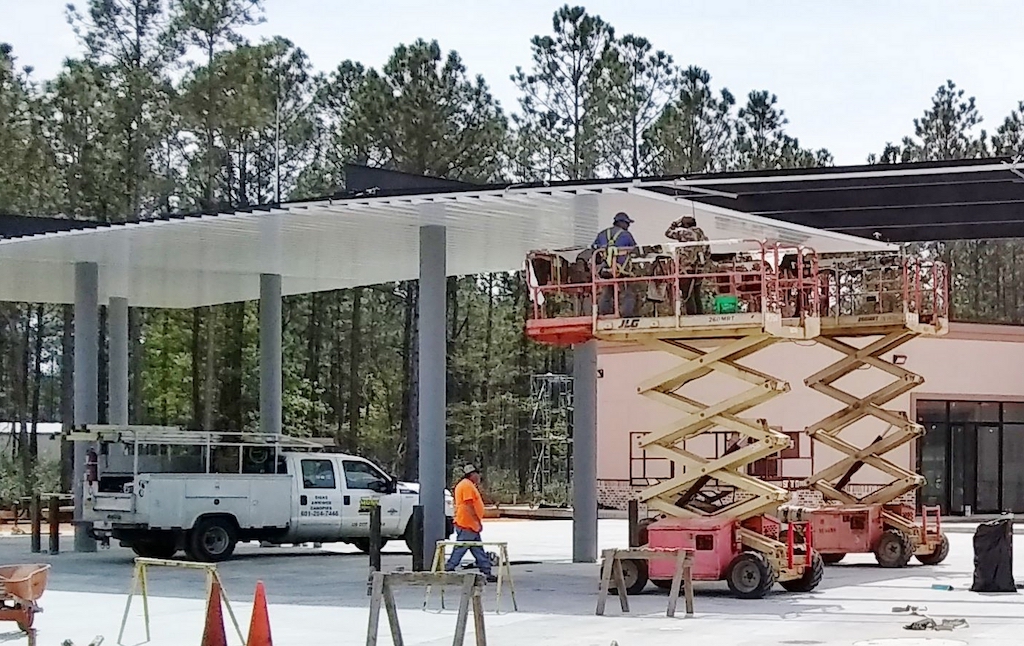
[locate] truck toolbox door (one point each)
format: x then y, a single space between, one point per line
366 484
320 500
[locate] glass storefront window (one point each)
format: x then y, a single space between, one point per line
931 411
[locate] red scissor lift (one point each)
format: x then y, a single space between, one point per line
758 295
711 505
893 299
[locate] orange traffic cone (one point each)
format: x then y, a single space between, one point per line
259 625
213 632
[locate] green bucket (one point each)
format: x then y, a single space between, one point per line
727 304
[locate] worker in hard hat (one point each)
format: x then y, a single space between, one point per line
469 522
693 259
613 246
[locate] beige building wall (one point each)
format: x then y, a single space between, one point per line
971 362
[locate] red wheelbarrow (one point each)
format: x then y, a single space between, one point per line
22 587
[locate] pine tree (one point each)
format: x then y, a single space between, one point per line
561 103
637 83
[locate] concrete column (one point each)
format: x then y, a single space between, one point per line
584 422
584 453
117 329
270 353
87 333
432 372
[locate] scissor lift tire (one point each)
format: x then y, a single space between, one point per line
894 549
750 576
938 556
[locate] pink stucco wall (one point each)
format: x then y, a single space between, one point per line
973 362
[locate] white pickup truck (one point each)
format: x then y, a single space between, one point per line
274 496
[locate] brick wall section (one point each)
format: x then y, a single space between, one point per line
616 494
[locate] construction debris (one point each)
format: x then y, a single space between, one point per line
928 623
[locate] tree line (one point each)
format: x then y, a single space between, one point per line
169 107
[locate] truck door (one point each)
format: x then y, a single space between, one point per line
320 500
365 483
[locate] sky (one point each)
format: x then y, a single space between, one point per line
850 74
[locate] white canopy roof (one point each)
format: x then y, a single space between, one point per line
331 244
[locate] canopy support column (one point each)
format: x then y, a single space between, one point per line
584 411
270 353
432 378
87 332
117 328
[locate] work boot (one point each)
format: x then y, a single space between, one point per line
491 578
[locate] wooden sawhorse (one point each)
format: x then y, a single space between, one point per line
611 565
504 571
472 585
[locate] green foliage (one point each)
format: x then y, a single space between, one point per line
45 478
170 107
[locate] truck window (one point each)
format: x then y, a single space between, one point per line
318 474
363 475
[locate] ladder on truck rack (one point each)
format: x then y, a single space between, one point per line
910 300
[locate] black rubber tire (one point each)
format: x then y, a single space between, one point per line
634 571
363 544
893 549
938 556
155 549
750 576
212 540
832 559
664 584
811 578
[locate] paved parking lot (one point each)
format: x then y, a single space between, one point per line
319 597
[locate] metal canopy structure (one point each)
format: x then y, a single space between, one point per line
953 200
337 243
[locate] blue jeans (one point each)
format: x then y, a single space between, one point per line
482 562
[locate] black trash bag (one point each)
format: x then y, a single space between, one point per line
993 557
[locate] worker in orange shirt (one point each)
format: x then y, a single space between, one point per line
469 521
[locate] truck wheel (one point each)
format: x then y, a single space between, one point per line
810 579
363 544
634 573
832 559
155 549
893 549
212 540
750 576
939 555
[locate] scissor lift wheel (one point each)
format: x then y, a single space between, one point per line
832 481
676 496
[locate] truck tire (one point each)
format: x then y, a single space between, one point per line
810 579
832 559
893 549
938 556
155 549
212 540
750 576
363 544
